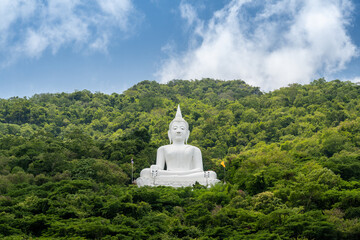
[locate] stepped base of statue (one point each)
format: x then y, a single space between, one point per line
207 178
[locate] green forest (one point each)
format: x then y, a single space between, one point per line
292 160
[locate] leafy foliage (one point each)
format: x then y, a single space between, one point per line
292 163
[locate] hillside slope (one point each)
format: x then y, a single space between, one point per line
292 162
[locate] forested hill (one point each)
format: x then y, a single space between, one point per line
292 162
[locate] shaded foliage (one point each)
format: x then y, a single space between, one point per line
292 162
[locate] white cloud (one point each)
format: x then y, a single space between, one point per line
117 9
29 27
282 42
35 44
188 12
355 80
100 44
10 10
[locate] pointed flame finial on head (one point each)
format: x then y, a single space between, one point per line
178 112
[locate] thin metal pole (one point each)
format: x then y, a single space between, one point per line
224 175
132 171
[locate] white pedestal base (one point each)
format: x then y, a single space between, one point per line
175 181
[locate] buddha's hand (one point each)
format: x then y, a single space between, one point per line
154 170
210 174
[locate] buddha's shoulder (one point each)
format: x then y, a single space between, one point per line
170 146
165 146
187 145
192 147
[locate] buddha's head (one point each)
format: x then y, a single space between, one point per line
178 128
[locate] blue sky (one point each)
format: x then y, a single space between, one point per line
110 45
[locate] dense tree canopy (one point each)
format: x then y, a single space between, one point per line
292 162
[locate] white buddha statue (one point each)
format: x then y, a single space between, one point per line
184 166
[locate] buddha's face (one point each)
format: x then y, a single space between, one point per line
178 131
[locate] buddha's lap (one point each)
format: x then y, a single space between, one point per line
166 174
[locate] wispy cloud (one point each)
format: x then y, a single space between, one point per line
266 43
354 80
29 27
188 12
